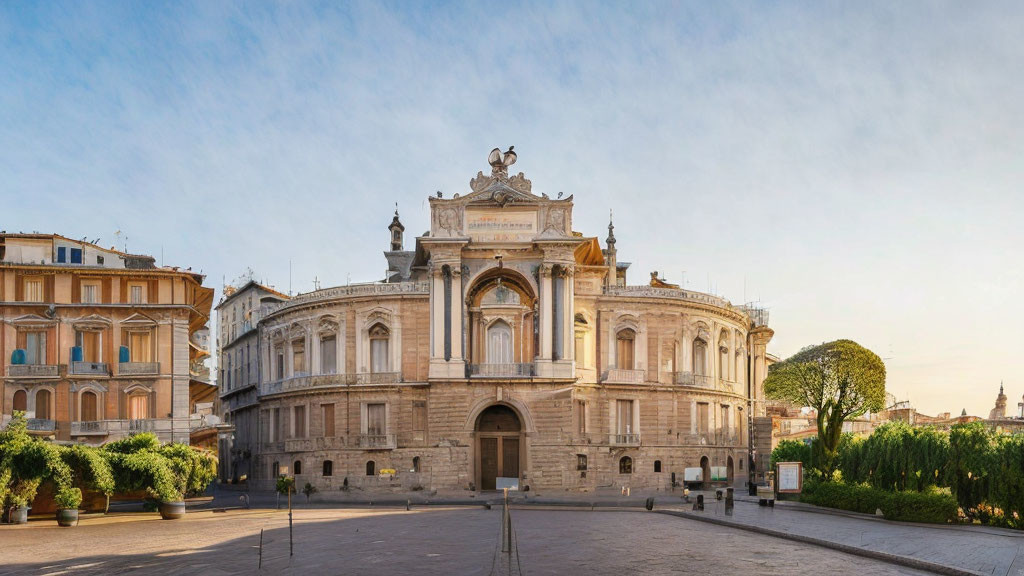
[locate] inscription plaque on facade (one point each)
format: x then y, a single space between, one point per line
503 225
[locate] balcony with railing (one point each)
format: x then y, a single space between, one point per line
89 368
41 425
138 368
377 441
517 370
32 371
623 376
695 380
624 439
149 425
97 427
379 378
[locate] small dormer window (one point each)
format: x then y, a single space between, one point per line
62 254
76 255
99 260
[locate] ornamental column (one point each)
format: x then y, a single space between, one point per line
545 312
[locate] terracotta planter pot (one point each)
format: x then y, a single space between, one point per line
67 517
19 515
172 510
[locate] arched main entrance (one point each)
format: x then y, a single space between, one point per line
498 445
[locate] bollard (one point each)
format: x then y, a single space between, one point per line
699 504
408 505
728 501
718 494
650 503
261 549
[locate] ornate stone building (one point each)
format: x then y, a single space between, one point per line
506 348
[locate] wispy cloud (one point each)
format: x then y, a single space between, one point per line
857 166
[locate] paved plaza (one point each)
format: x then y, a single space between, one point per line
431 540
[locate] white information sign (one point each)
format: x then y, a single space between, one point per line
790 477
503 225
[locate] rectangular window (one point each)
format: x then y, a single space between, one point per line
624 417
299 422
375 420
329 355
34 290
419 416
136 294
328 416
579 351
140 348
280 365
35 348
89 341
581 416
702 418
90 293
62 254
76 255
723 425
379 355
278 428
298 358
99 260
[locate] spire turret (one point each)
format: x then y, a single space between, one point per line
396 228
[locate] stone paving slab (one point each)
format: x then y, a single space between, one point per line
426 541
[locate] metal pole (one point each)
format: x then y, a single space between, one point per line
291 547
506 532
261 549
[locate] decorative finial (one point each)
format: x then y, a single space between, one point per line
500 162
1000 387
611 231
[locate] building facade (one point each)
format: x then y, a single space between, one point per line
238 315
96 343
505 348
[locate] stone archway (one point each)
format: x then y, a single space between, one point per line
500 445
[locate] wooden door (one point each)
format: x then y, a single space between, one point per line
488 463
509 458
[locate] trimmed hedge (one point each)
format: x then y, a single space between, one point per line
934 506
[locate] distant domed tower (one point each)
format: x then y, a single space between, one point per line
1000 410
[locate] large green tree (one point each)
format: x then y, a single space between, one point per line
839 379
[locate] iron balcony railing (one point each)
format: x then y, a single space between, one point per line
513 370
377 441
138 368
32 370
624 439
697 380
623 376
41 425
95 427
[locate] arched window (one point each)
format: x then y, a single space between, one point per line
89 406
625 342
20 401
657 466
625 465
499 343
700 351
138 405
297 467
43 404
371 468
416 464
379 338
275 470
328 468
723 358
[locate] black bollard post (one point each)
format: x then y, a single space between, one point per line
728 501
650 503
261 549
699 506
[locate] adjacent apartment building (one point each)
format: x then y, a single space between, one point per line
238 315
97 343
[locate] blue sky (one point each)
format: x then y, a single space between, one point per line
855 166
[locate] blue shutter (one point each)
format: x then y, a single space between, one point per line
62 255
76 255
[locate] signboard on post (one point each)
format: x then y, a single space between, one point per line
790 477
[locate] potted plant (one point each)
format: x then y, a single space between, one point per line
68 500
19 509
172 506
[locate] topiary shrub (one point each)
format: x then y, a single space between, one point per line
68 498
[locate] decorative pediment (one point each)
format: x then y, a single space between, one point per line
29 320
138 321
94 321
